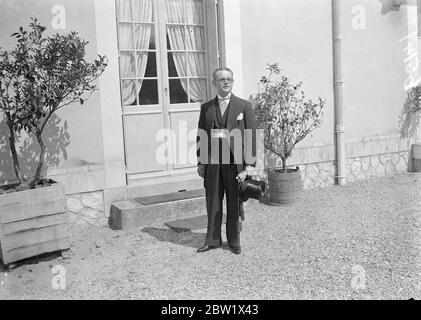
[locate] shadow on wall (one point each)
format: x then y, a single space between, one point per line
56 138
394 5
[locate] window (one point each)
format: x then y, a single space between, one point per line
166 49
182 50
185 30
138 54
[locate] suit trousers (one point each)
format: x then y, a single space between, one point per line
220 179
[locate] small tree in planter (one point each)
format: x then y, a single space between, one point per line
286 118
38 77
409 121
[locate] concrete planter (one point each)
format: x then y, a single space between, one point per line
284 187
416 157
33 222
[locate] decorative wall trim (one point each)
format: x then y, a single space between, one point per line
354 148
79 179
357 169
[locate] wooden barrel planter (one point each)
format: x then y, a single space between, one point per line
33 222
284 187
416 157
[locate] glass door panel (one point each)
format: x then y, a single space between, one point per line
163 46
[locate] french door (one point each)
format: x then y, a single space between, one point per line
167 51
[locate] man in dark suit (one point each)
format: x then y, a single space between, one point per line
226 129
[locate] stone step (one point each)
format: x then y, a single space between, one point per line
201 222
169 197
163 185
142 211
189 224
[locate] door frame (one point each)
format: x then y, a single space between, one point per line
213 60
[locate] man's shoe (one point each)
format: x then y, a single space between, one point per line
206 248
236 250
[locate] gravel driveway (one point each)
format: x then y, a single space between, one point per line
362 241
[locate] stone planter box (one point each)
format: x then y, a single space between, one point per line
33 222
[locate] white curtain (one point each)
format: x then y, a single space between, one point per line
133 37
188 38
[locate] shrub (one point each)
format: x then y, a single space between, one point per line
284 114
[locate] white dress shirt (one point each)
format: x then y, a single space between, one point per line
223 102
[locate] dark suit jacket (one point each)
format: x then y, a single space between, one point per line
207 118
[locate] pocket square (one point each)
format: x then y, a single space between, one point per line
240 117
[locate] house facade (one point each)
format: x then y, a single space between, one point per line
136 135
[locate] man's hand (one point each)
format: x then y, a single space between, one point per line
243 174
201 170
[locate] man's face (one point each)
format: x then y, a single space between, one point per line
223 82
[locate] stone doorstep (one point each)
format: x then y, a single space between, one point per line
200 222
169 197
141 211
132 214
192 223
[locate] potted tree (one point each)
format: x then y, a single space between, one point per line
409 122
286 118
39 76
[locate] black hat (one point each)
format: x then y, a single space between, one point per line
252 189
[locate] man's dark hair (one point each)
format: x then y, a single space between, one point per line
221 69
